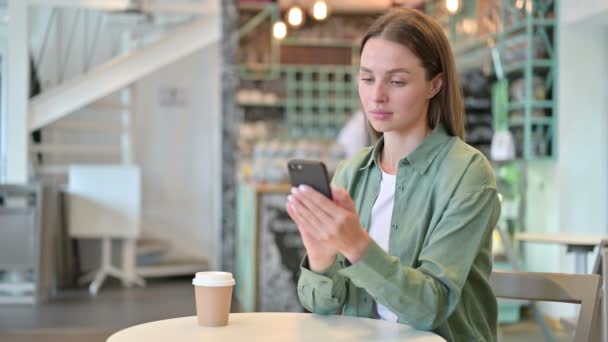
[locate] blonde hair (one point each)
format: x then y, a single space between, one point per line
423 36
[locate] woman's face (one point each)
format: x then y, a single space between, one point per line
393 87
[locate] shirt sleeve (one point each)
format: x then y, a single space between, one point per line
324 293
425 296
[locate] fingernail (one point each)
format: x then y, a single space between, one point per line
294 190
303 187
289 198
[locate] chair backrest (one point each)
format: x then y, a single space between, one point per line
601 268
583 289
104 201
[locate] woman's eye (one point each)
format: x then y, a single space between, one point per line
397 83
366 79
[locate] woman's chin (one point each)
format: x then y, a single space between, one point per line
381 127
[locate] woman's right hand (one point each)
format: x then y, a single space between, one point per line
320 255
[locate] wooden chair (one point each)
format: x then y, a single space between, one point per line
583 289
513 260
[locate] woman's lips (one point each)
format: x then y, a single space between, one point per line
381 114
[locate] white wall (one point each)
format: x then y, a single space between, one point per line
571 195
589 10
177 146
542 215
179 150
583 119
3 83
583 128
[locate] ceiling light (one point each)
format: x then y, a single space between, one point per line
319 10
295 16
279 30
451 5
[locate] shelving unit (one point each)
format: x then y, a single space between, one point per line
317 99
312 70
320 99
478 109
534 25
524 33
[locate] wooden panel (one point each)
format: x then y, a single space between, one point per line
316 55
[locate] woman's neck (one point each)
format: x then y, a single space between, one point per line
398 145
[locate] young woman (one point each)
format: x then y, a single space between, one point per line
408 236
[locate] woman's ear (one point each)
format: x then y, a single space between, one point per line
436 84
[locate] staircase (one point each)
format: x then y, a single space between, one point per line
88 119
97 134
120 72
153 260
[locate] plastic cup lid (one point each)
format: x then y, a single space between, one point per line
213 279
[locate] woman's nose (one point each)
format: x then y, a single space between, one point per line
379 93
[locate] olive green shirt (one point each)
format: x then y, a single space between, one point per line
435 275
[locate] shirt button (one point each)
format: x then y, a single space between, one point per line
394 226
401 187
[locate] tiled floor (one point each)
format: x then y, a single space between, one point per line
77 317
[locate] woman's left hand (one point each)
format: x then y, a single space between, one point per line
336 222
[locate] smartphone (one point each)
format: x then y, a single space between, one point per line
309 172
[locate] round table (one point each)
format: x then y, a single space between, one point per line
275 327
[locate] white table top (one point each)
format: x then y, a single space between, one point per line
279 327
580 239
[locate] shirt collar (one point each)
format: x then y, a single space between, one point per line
422 157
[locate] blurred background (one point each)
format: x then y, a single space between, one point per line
142 141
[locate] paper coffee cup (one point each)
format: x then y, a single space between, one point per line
213 293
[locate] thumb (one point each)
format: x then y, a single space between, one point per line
343 199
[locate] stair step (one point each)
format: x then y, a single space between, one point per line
150 246
46 169
173 268
76 149
88 126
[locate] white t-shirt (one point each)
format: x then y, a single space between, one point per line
380 223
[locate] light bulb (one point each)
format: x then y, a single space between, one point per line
319 10
295 16
451 5
279 30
